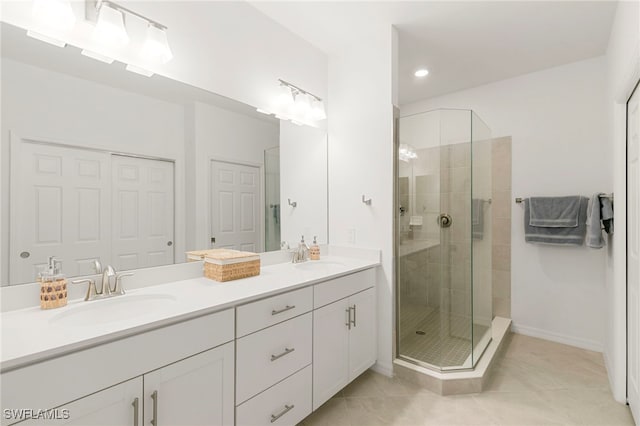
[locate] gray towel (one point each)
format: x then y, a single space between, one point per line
477 218
594 225
554 212
606 211
555 235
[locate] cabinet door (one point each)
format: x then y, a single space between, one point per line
362 336
194 391
117 405
330 351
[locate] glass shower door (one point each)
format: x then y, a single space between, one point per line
444 241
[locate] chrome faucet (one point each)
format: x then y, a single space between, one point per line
301 254
106 290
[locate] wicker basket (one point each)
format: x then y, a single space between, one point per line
53 294
198 255
227 265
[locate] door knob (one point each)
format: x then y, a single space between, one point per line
444 220
169 243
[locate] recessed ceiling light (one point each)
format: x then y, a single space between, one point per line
421 72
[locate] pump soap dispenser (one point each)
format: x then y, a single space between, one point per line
314 251
53 285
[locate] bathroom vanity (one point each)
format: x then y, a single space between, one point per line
263 350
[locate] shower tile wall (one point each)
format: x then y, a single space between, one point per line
501 215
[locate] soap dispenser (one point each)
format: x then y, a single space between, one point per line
53 285
314 251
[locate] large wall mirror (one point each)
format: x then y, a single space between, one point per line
99 163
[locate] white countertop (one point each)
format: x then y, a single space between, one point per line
32 335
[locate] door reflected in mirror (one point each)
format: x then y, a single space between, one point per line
102 164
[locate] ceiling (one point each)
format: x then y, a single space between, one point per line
463 44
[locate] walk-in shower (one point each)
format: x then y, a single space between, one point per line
443 239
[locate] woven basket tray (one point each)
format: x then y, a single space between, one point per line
227 265
53 294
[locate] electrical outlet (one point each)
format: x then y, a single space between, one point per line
351 236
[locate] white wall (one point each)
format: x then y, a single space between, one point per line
303 179
360 127
220 134
229 48
623 72
38 103
557 120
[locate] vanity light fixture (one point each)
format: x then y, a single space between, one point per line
423 72
110 27
98 57
156 46
299 105
53 14
407 153
56 14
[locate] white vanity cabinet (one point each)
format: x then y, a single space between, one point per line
273 375
190 364
118 405
195 391
344 333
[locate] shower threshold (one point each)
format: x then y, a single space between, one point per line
453 381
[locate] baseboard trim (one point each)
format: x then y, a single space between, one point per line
557 337
385 369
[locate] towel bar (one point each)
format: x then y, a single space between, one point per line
520 200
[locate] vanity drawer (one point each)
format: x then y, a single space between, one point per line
264 313
339 288
289 402
268 356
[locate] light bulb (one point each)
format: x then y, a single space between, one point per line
156 46
55 14
110 28
302 106
317 110
285 97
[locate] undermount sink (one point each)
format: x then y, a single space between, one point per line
313 265
114 309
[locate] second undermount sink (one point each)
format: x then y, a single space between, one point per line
114 309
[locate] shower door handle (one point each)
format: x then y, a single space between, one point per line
444 220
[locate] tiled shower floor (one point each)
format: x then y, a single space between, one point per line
434 337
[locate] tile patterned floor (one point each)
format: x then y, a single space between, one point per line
445 339
535 382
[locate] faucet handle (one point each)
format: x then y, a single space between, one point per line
119 289
97 266
92 292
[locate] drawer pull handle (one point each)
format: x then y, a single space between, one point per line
154 420
287 408
354 315
136 411
348 311
285 309
287 351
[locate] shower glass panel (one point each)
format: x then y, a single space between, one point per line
444 239
272 198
